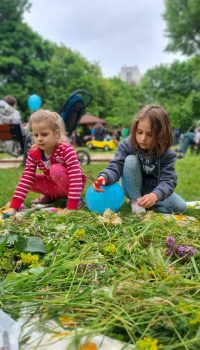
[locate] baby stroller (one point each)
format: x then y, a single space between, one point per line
71 112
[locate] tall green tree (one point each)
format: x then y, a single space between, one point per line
29 64
24 55
176 87
165 81
13 11
124 103
183 26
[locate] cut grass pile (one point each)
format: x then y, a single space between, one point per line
110 274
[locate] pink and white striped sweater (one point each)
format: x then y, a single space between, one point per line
65 155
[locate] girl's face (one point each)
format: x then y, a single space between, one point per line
144 134
45 138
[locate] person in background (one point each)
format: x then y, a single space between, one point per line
62 175
99 132
188 139
176 136
146 165
9 115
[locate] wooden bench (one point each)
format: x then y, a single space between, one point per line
12 132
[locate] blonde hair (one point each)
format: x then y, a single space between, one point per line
160 125
52 119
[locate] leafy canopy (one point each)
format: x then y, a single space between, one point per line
183 26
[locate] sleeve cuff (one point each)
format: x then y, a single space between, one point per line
16 203
72 204
158 194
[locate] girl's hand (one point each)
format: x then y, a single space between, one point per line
148 200
98 183
9 212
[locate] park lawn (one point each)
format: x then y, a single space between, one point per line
110 274
188 170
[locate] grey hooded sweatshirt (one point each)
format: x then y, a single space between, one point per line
158 173
8 114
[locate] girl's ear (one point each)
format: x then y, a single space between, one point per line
58 133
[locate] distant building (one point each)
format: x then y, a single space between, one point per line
130 74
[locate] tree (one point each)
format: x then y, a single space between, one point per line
165 81
183 26
29 64
176 87
13 10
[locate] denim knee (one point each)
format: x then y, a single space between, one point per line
182 207
131 162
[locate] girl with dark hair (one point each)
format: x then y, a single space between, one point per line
146 165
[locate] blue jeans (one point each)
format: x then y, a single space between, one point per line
131 182
188 139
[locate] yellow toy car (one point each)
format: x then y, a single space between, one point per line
105 145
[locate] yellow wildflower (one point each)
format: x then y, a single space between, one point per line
66 321
29 259
147 344
110 249
196 319
88 346
79 233
180 217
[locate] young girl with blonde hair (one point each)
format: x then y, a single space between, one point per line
146 165
62 175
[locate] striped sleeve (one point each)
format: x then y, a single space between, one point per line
75 176
25 183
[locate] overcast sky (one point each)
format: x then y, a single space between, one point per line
111 33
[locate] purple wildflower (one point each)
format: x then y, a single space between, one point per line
184 251
168 251
170 242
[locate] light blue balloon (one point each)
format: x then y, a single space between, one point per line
34 102
112 198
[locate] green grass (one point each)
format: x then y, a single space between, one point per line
4 155
102 277
188 170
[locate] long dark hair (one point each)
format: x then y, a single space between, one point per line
160 127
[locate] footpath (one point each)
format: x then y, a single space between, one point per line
12 162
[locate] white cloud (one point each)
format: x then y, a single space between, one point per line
111 32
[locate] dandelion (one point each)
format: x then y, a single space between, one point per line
29 259
147 344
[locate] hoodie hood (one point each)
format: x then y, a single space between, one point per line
8 114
